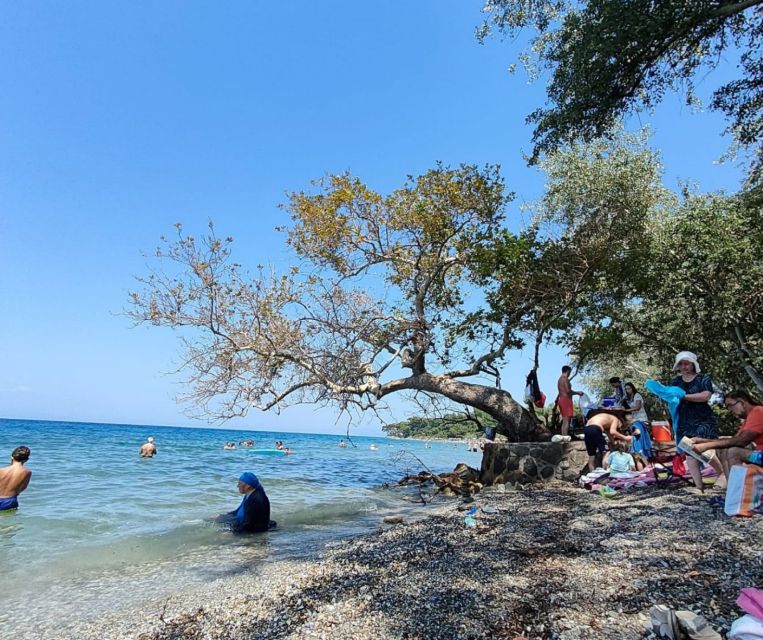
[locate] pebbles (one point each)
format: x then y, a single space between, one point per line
547 563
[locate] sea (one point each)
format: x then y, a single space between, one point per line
101 529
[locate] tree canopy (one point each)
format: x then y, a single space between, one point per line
388 296
421 289
610 57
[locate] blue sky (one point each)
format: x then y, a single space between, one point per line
119 119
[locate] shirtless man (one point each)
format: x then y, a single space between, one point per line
593 434
564 399
14 479
148 450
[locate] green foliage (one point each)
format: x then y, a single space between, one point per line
449 426
610 57
688 275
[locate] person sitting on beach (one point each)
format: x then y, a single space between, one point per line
619 462
14 479
593 435
148 449
253 514
737 449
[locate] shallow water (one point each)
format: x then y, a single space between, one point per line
101 529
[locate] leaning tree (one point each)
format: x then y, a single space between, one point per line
387 295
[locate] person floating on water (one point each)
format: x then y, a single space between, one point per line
253 514
342 444
229 445
14 479
148 449
279 445
373 447
247 443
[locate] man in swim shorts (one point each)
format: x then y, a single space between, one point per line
593 434
14 479
564 399
148 450
253 514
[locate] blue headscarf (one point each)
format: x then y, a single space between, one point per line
249 478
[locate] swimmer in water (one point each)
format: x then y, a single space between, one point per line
14 479
148 450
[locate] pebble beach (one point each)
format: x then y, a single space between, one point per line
543 562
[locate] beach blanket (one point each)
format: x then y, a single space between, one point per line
671 395
645 478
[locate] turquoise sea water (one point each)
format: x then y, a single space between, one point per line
101 529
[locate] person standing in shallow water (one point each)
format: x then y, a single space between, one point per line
14 479
148 450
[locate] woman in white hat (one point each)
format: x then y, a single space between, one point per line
695 418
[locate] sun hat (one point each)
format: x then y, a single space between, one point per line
689 356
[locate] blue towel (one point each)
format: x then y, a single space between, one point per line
642 444
671 395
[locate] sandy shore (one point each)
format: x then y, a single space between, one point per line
550 562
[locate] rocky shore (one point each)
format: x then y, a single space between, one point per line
549 561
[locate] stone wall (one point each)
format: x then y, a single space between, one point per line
525 462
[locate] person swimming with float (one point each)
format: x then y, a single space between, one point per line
253 514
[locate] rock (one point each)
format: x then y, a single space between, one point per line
393 519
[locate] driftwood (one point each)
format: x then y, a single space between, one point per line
462 481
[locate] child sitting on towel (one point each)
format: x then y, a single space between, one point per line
619 462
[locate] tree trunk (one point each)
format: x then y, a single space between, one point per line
514 421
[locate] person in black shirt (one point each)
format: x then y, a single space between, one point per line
253 514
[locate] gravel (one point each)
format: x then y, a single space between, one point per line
545 562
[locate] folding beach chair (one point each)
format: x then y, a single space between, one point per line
667 464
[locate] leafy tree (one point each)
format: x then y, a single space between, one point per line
389 298
679 271
610 57
703 291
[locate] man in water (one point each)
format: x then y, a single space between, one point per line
14 479
148 450
253 514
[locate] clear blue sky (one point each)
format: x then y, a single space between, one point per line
118 119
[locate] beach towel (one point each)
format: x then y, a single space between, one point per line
671 395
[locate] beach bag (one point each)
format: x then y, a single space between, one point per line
744 493
679 468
